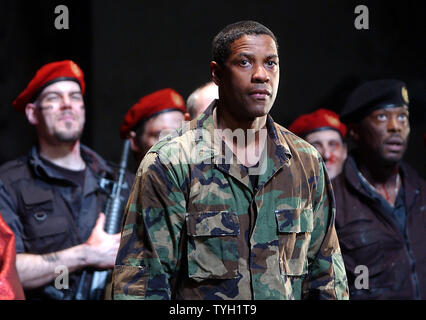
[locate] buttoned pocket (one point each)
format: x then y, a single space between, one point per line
294 227
44 230
212 245
363 245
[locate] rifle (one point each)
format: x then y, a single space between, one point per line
113 213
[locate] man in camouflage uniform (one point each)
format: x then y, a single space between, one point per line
205 222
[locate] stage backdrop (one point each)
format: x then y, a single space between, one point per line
128 49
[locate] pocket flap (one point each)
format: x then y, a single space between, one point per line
213 223
52 225
295 220
31 195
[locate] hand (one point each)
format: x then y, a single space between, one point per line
102 247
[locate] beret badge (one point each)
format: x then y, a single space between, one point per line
404 94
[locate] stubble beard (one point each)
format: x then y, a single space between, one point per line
68 136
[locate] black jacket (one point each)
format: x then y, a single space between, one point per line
396 261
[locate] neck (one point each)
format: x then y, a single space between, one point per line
248 150
66 155
376 172
226 120
385 179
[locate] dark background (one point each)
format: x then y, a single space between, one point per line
131 48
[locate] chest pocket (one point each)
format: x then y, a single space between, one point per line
294 227
44 230
212 245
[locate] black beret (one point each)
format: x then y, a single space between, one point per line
373 95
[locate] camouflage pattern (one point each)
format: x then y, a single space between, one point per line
195 227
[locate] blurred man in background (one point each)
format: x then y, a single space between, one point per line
200 99
380 200
155 114
324 130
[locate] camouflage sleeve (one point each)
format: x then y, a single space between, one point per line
327 277
148 256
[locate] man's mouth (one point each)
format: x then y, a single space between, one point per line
260 94
395 144
66 117
330 161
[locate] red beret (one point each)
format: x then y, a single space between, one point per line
148 106
317 120
46 75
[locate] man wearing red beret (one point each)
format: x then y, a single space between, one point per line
323 129
152 117
51 198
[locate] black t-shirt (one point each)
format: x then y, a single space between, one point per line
77 177
254 176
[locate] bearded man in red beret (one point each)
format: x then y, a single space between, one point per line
324 130
51 199
152 117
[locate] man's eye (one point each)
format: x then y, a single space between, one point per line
52 98
271 63
402 117
381 117
316 145
77 97
244 63
334 144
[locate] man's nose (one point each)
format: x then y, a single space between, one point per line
66 102
393 124
260 74
326 153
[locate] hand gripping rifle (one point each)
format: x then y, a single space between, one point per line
113 213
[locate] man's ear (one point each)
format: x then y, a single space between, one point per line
345 151
31 113
216 72
353 131
134 145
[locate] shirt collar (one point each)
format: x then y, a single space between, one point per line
205 122
93 161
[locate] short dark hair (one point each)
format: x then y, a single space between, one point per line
223 40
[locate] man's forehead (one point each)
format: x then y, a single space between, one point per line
391 108
323 135
387 109
252 40
62 86
166 118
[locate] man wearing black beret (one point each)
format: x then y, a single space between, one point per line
380 200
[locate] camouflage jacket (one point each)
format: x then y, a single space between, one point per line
195 227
